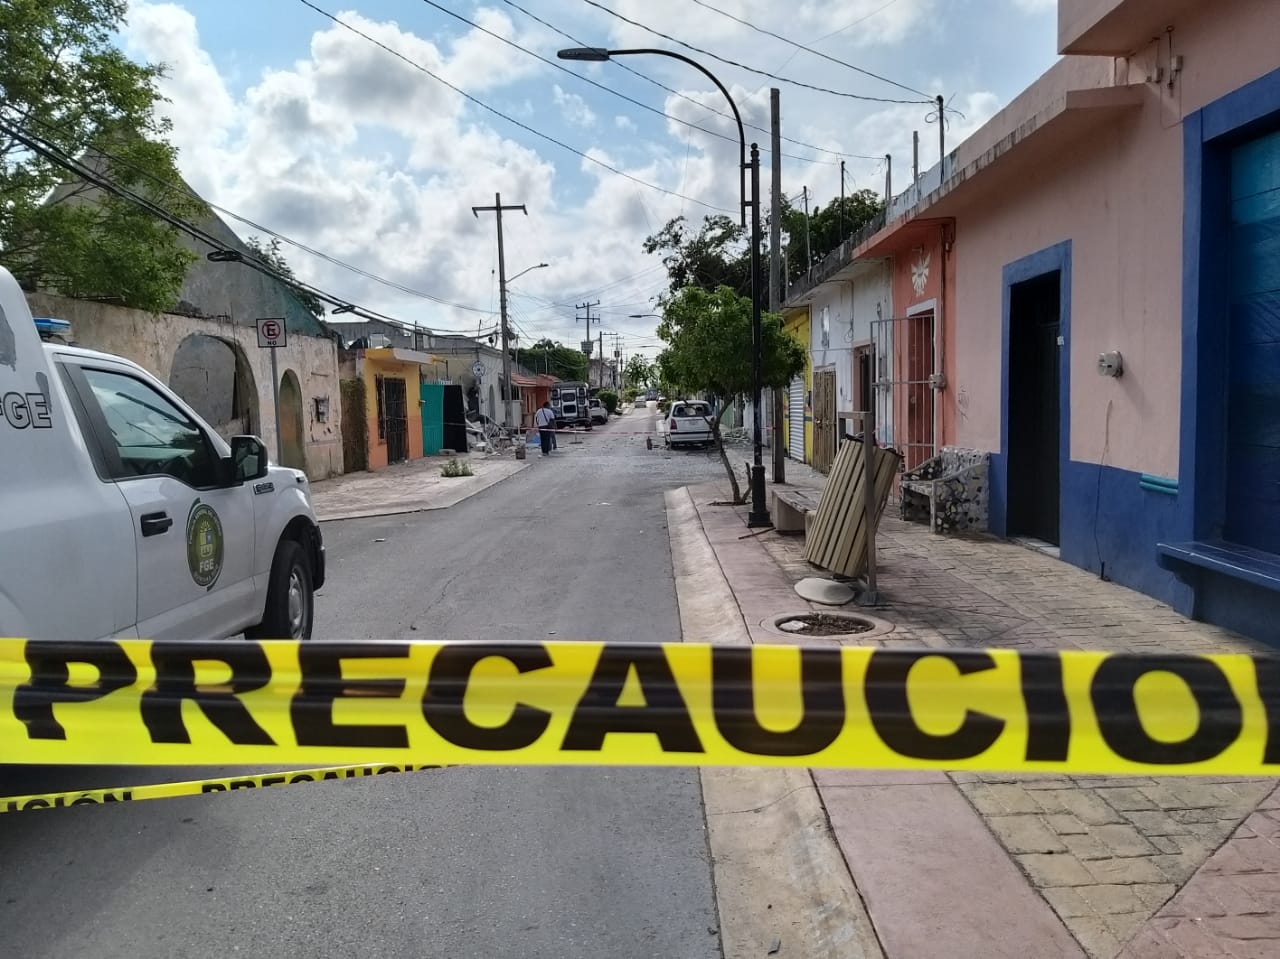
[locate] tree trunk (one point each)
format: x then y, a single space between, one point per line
738 499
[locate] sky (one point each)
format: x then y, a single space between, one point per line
368 131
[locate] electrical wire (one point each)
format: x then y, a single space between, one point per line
55 155
600 86
182 188
807 49
743 66
512 120
685 96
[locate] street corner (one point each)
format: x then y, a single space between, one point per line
417 486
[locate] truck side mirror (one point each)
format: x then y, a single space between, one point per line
248 458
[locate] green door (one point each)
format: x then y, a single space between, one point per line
432 400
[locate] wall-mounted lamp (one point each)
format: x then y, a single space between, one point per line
1110 364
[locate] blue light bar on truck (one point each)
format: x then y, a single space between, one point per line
48 326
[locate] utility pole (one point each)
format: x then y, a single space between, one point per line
808 248
502 298
842 202
942 130
586 343
775 274
915 157
888 181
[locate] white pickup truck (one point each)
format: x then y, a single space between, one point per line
123 514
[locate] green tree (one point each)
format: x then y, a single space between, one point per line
553 357
714 256
269 253
638 371
609 399
710 350
63 83
828 227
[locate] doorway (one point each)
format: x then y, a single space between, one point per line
1035 406
397 419
1253 354
292 438
919 374
431 399
862 373
824 419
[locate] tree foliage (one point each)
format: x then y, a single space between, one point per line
63 82
609 399
270 254
719 253
553 357
638 372
829 226
716 255
710 351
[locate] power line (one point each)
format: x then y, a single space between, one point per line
55 155
601 86
743 66
698 103
801 46
523 126
182 188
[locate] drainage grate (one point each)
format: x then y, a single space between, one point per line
823 624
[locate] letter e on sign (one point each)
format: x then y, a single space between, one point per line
271 332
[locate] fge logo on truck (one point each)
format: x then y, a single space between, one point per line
122 513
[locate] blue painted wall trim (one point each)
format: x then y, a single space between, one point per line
1158 484
1111 524
1057 257
1208 136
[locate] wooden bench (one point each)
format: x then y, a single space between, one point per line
792 508
1227 559
950 491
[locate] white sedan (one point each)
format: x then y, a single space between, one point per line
689 424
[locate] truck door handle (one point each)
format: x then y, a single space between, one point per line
153 524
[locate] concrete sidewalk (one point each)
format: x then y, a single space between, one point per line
408 487
965 866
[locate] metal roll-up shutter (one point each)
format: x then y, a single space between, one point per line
795 412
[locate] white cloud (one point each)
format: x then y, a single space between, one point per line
1036 6
574 108
359 154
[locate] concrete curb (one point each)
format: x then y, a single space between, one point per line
485 482
780 878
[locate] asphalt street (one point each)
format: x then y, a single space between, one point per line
481 863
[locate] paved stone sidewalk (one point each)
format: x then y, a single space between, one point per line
408 487
1108 854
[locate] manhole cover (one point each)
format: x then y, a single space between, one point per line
823 624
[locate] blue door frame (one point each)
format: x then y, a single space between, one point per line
1209 135
1052 259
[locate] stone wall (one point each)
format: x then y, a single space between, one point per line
152 339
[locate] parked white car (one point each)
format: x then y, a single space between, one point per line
123 514
689 424
599 413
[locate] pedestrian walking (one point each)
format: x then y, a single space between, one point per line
546 422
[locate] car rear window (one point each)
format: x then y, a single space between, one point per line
692 409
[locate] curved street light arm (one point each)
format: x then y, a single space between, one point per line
742 133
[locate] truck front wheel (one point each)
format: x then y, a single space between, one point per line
290 597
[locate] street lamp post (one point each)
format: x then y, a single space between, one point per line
759 515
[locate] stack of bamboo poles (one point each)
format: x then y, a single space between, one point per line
837 537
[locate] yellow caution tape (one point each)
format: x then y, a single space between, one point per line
138 702
195 787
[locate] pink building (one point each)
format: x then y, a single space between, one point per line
1121 216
